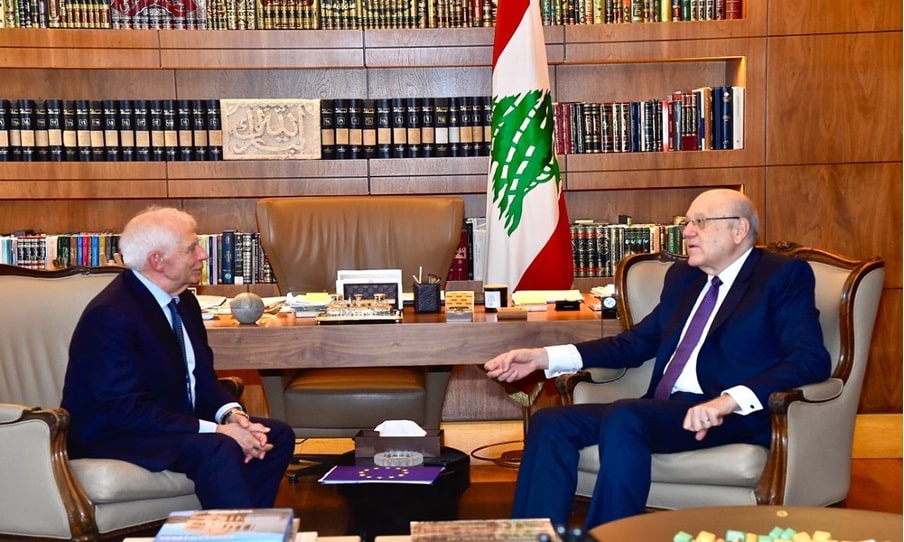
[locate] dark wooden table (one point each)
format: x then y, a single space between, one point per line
842 523
284 341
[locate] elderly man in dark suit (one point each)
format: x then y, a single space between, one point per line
141 387
733 324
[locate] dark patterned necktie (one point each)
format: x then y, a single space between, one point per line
689 341
180 338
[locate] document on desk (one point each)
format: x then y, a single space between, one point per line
536 300
371 474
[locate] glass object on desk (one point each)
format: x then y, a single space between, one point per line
380 306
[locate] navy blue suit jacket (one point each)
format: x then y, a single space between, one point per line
125 384
765 335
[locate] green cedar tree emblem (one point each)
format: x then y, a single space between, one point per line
522 153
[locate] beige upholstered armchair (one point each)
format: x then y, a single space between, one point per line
809 460
43 493
307 240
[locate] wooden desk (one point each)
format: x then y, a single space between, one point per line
284 341
843 523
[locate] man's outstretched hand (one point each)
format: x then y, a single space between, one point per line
516 364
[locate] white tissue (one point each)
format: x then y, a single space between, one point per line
400 428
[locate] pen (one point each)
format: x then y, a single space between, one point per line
416 280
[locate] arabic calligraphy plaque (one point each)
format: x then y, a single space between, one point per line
271 129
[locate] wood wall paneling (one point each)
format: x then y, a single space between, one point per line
272 83
834 99
882 387
861 206
791 17
87 84
61 216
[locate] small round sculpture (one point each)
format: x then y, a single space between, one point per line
247 308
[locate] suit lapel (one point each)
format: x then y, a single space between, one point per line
738 290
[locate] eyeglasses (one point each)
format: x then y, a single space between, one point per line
700 223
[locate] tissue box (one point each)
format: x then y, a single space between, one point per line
368 443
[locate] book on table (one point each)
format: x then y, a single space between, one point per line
522 530
247 525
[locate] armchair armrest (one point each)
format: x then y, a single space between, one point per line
40 489
805 424
566 383
234 385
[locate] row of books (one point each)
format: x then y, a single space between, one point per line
405 127
571 12
46 251
109 130
341 14
236 257
706 118
597 248
233 257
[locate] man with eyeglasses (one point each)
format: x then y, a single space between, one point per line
733 324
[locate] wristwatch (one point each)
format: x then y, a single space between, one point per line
232 411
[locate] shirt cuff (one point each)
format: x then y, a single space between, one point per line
205 426
746 399
224 409
563 359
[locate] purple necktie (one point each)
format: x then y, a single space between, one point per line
688 342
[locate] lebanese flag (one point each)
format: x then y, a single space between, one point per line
528 237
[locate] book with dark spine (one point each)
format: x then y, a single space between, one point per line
441 126
340 123
83 131
15 132
723 131
428 127
112 148
42 135
214 131
70 131
142 130
126 130
486 104
199 130
155 125
184 129
227 258
4 130
96 130
327 130
369 128
27 129
355 128
399 129
384 127
170 134
413 128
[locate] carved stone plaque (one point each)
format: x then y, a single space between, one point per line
270 129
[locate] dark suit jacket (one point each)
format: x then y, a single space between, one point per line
125 384
766 334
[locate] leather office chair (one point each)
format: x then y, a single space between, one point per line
809 460
307 240
43 493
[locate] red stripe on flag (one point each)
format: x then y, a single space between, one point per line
553 268
509 14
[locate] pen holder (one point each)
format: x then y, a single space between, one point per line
426 297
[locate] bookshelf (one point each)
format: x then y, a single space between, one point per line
802 144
